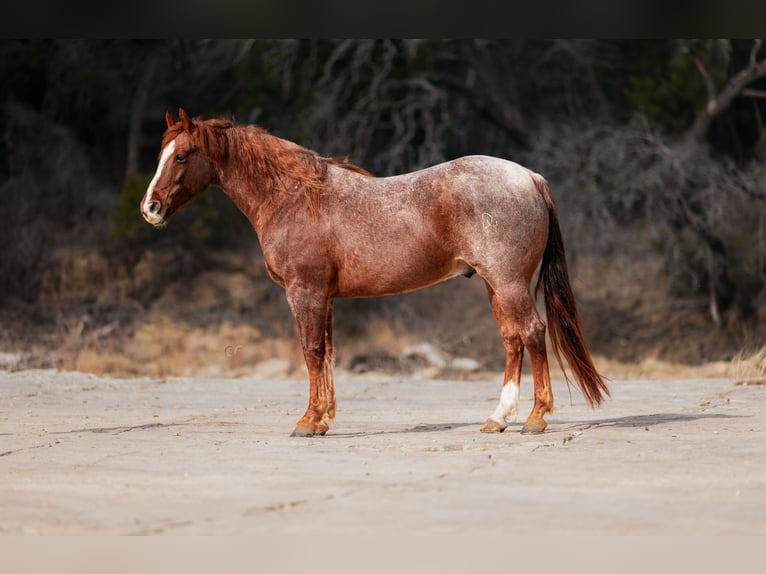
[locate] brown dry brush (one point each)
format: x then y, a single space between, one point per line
360 103
623 187
50 193
699 206
628 190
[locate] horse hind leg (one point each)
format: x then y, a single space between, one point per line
517 312
533 337
514 354
508 405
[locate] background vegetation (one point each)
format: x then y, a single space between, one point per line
655 151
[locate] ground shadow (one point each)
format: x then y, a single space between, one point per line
421 428
554 426
632 421
121 429
635 421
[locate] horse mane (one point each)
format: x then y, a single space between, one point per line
275 164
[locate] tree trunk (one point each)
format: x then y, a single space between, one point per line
137 113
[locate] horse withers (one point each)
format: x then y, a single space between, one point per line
328 229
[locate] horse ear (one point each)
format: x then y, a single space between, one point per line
169 119
188 124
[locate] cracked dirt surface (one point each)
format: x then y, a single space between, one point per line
85 455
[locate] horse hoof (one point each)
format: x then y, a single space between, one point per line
534 426
310 429
492 425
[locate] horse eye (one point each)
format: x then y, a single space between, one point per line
180 158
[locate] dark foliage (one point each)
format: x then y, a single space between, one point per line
660 139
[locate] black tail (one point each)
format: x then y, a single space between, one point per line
561 309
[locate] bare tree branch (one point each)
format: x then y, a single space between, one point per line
709 85
754 50
751 93
721 102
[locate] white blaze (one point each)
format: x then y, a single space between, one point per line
166 153
509 403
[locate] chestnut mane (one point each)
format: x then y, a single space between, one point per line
277 165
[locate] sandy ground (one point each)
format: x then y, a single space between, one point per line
86 455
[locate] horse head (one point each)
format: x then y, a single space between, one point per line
184 171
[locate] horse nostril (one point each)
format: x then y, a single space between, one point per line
154 207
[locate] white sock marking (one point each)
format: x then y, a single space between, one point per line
509 403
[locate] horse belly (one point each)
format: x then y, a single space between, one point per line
395 268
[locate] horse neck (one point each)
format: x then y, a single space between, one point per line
251 150
240 190
236 181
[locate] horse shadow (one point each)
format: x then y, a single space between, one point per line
635 421
630 421
119 429
554 427
421 428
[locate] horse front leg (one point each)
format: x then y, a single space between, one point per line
310 310
329 363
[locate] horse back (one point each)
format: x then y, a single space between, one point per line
392 234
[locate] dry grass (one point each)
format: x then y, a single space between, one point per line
164 347
228 319
654 368
380 334
750 368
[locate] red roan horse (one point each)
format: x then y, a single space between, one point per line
329 229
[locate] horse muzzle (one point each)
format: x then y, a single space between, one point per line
154 213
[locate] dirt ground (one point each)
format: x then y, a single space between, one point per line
81 454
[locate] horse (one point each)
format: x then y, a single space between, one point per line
329 229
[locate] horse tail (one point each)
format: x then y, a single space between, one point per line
561 309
